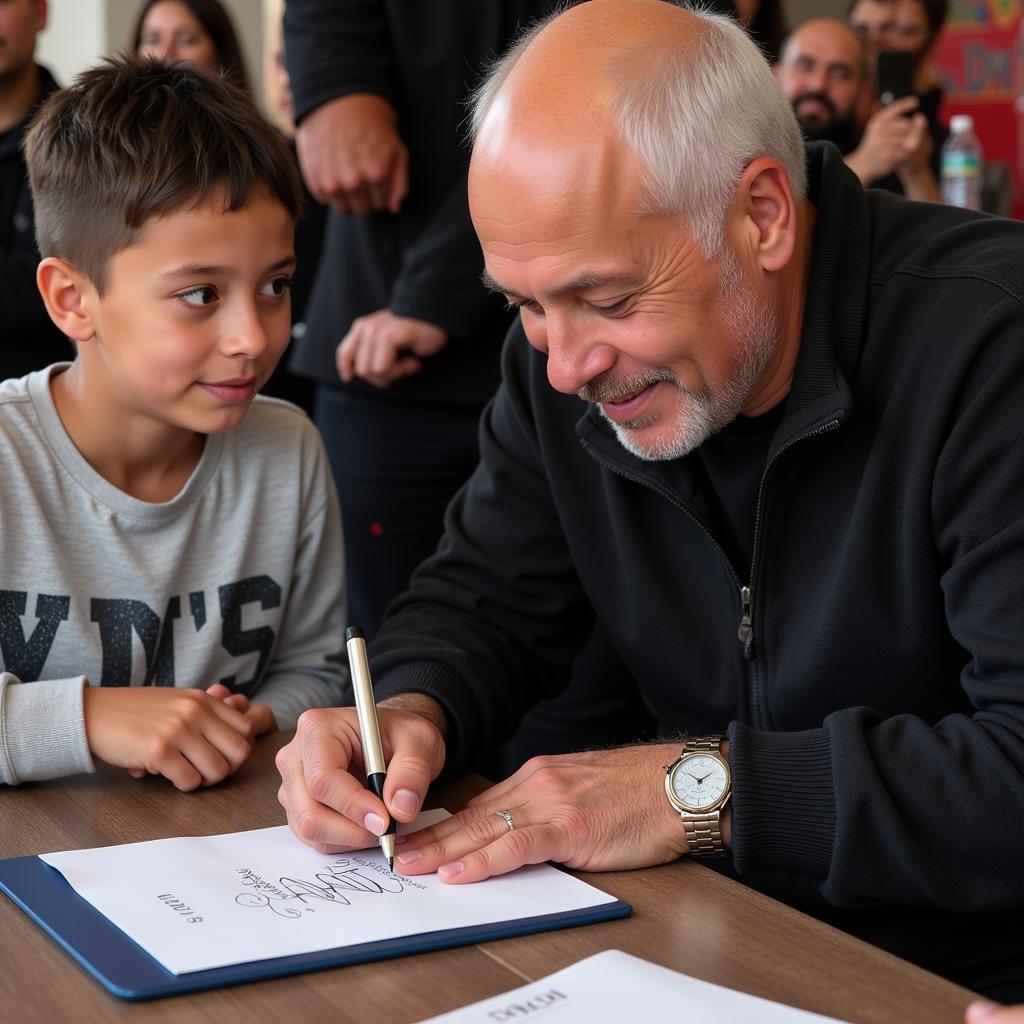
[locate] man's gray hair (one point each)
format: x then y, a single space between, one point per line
695 120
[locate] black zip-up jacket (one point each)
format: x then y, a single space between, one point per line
876 710
28 338
424 262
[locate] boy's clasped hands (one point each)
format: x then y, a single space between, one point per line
192 737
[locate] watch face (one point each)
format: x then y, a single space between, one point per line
699 781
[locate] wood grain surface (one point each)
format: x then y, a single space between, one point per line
684 916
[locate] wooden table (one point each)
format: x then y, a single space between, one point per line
684 916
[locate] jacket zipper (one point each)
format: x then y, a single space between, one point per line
745 633
746 630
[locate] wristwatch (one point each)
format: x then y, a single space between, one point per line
698 785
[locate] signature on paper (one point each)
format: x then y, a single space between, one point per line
346 876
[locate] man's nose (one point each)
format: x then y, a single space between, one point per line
575 355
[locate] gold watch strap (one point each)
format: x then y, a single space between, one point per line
703 831
703 835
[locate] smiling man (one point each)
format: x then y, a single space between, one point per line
761 427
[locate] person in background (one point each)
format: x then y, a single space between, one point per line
402 338
765 20
309 230
28 338
197 31
822 71
909 26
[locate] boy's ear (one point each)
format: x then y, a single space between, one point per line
64 290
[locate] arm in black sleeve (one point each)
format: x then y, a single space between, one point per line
493 621
898 809
336 47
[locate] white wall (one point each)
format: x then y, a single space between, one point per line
75 35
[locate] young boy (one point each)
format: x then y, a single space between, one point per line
170 548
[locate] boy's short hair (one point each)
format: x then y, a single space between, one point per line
136 138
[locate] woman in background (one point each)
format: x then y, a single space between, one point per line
197 31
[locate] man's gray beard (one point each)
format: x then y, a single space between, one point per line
756 329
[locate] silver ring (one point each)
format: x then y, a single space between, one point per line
506 816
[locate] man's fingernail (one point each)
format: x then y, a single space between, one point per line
409 858
374 823
405 801
451 870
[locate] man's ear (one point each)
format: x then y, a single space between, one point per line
64 291
769 213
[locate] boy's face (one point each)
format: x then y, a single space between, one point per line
195 314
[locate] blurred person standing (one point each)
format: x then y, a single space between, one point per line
907 26
30 340
199 32
402 338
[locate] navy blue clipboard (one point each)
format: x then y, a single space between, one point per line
128 971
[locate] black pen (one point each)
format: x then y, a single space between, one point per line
369 729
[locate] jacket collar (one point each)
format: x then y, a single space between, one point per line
834 313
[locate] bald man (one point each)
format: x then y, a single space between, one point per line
823 72
762 427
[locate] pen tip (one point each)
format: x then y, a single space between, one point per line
391 864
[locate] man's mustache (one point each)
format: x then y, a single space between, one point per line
606 388
821 98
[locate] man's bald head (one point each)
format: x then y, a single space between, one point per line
686 97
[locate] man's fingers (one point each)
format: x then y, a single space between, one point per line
532 844
449 840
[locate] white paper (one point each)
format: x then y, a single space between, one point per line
201 902
612 987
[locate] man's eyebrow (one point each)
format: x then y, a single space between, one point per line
212 270
578 284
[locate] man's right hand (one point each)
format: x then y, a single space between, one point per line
352 156
323 789
186 735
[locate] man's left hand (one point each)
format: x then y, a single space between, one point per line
382 347
600 810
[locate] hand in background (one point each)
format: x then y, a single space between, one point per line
381 348
889 140
598 810
352 156
186 735
323 787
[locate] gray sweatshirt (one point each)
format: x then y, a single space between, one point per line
238 579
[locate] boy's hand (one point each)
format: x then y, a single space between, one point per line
261 716
186 735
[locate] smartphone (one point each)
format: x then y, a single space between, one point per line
894 75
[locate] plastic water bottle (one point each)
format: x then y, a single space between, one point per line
961 164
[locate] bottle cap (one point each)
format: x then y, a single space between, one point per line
961 124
